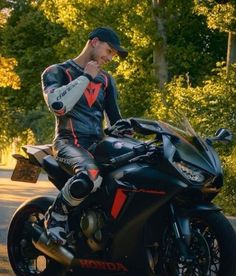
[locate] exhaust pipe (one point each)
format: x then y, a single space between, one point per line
44 244
63 256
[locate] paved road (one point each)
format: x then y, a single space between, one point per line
12 194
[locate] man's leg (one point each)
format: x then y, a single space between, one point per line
73 193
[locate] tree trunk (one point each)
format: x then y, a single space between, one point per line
160 70
231 51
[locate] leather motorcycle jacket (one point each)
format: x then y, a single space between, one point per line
78 101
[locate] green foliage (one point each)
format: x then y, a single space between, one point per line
219 16
35 34
192 47
29 39
208 107
41 122
8 78
227 198
40 33
216 96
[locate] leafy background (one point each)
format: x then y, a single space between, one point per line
177 61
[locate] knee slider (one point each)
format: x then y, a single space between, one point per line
81 185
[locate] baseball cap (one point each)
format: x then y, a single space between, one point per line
109 36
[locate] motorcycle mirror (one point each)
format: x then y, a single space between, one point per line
224 135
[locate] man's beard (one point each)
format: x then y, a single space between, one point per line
94 57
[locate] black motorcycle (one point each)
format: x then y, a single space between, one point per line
152 215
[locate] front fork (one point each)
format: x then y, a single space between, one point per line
182 233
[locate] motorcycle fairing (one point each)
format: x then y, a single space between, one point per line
131 199
143 176
191 148
131 205
121 197
183 137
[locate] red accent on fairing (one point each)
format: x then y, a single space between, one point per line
118 203
149 191
120 198
92 92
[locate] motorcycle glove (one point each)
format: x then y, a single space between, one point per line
121 128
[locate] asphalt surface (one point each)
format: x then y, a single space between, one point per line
12 194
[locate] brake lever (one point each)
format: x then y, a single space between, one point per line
140 157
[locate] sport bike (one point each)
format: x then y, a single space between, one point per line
152 215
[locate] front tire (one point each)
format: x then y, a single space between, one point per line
24 258
212 247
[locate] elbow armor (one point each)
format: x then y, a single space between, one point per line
61 100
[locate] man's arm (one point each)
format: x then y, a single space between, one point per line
111 105
61 96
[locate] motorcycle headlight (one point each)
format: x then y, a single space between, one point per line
190 172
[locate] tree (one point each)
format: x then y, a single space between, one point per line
159 48
208 107
39 33
221 15
8 78
7 75
28 39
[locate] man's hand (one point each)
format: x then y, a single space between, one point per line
92 68
121 128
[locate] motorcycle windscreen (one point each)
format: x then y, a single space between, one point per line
192 148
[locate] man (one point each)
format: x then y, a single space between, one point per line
78 92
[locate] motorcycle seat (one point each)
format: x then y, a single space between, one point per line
55 173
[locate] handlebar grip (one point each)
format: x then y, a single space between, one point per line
123 158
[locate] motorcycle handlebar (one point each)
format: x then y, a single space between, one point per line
122 158
137 150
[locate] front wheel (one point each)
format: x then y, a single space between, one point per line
211 250
24 258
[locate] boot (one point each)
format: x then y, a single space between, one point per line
56 220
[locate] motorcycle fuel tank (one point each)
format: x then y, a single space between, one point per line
111 147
